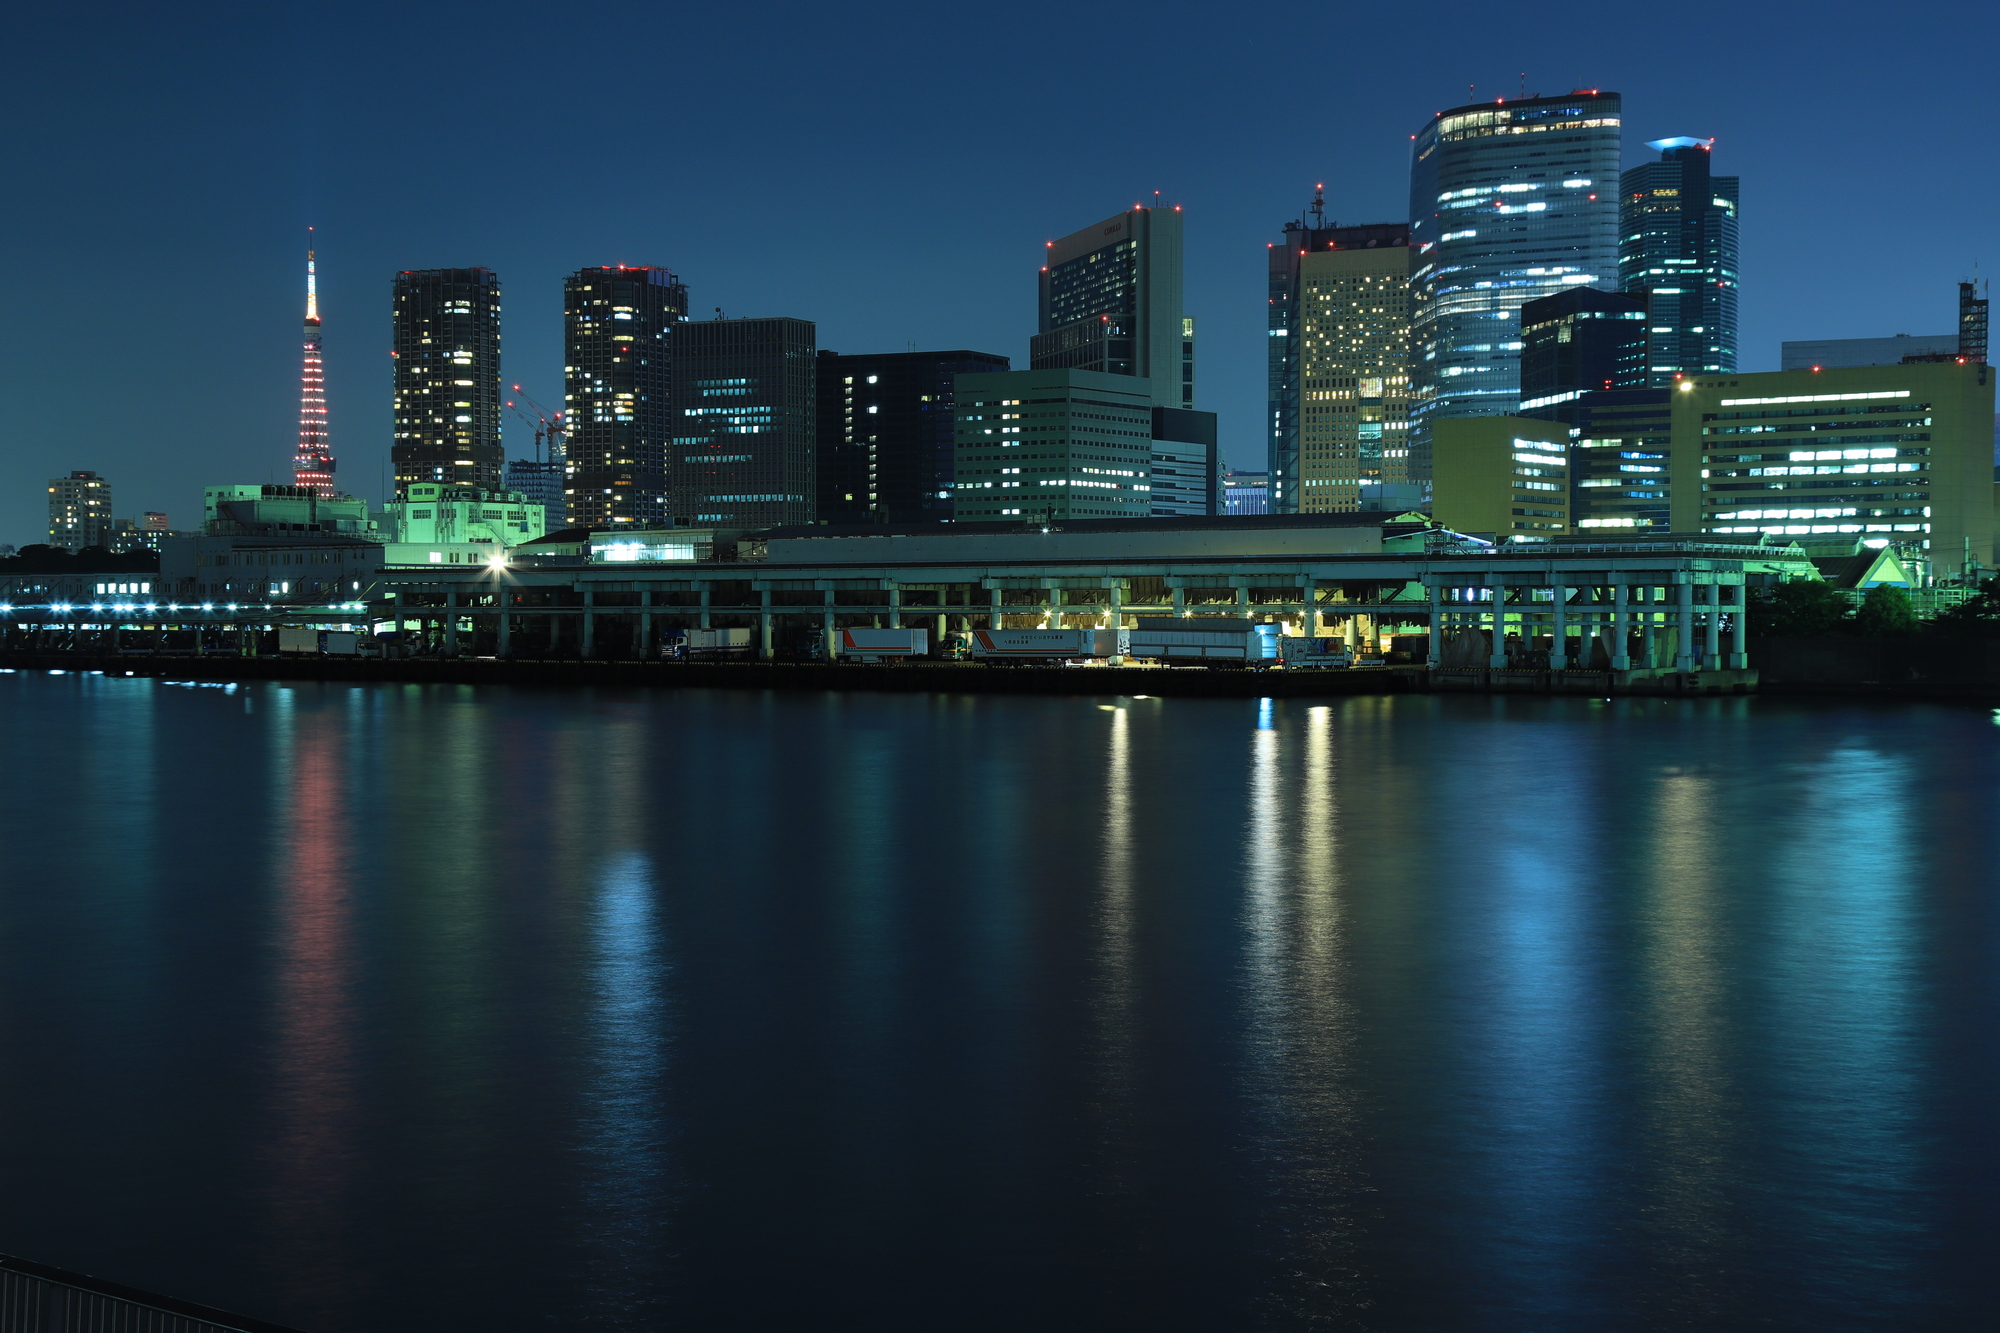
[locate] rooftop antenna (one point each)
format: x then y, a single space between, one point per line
1524 85
1468 90
718 312
1318 206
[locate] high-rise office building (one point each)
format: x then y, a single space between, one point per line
1339 369
1185 469
79 511
1677 247
446 347
1053 444
1879 453
312 465
887 434
1111 304
744 422
1580 341
1507 476
1622 472
1509 201
1246 492
618 409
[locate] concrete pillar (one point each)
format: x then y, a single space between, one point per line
1648 654
895 606
1497 659
506 638
1559 634
1739 656
645 644
1117 612
1350 634
993 612
1437 625
589 644
1684 641
1051 608
1711 648
1309 617
826 626
451 623
1180 602
1621 653
764 623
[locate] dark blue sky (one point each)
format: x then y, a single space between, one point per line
887 170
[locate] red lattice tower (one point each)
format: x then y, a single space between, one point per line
312 468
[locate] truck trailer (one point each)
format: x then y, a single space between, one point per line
685 645
876 645
1048 645
1204 640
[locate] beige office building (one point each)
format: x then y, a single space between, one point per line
1353 324
1507 476
1899 453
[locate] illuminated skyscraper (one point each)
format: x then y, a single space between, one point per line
1509 201
1339 370
1111 303
447 378
744 422
617 381
1677 248
312 466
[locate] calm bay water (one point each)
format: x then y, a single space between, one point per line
399 1008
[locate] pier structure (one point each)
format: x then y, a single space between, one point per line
1649 608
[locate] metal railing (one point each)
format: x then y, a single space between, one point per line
36 1298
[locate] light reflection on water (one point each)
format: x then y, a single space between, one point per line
423 1007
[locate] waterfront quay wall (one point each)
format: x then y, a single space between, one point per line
900 677
1926 664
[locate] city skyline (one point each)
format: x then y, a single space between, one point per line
223 389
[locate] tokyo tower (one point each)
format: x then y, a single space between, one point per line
313 466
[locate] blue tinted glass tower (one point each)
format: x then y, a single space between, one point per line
1677 247
1509 201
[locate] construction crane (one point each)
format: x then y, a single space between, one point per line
546 425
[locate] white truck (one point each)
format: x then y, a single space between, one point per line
1204 640
1296 652
685 645
1048 645
877 645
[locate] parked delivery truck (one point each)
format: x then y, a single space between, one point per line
1048 645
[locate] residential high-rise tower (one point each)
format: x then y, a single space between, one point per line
618 324
743 422
312 466
1677 248
446 348
1509 201
1111 304
79 511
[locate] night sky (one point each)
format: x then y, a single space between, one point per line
889 171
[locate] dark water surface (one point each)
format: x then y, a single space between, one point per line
398 1008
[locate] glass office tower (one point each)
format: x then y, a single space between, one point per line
1677 247
744 422
888 434
1509 201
